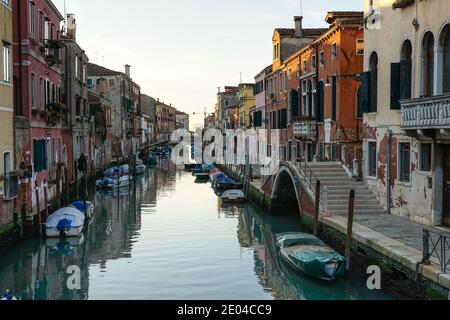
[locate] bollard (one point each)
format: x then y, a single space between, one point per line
348 242
316 210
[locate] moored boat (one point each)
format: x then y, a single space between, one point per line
140 167
68 222
113 182
8 296
306 253
233 196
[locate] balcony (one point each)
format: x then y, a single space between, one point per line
53 52
426 113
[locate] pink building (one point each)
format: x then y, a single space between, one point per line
37 101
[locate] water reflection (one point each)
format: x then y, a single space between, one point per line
169 238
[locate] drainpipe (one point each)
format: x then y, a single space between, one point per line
388 173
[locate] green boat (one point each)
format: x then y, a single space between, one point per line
308 254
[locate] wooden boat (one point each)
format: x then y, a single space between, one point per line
308 254
66 222
201 175
233 196
113 182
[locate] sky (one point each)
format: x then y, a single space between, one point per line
181 51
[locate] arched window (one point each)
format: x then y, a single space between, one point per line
428 65
373 64
406 70
445 49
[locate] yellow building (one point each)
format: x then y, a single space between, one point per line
246 104
8 189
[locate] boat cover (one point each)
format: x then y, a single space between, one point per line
68 217
311 259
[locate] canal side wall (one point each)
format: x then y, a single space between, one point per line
401 275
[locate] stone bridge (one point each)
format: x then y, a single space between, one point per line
289 190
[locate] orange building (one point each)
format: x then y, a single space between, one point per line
312 96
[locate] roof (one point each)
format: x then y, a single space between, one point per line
96 70
345 17
55 9
306 32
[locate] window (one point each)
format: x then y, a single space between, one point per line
445 45
428 65
39 155
77 74
406 70
41 27
33 91
285 81
425 157
313 62
304 97
334 50
276 51
6 63
372 161
321 58
111 83
41 93
281 82
404 162
373 64
84 72
305 68
32 22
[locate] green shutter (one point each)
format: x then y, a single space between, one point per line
395 86
320 102
365 92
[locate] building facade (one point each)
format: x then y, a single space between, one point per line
285 44
225 100
182 120
258 115
148 110
8 175
165 121
125 99
39 107
406 102
77 121
246 98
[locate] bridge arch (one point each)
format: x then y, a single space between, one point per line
285 193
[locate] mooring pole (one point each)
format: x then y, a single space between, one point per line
46 201
316 210
348 242
36 188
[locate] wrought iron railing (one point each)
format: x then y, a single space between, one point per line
436 245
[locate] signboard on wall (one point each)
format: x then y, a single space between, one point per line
359 47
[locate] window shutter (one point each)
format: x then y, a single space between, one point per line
395 86
405 79
364 95
333 105
320 102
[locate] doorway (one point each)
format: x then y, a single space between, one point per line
446 189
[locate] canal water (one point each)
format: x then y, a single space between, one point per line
170 239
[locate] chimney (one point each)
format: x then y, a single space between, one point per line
71 27
128 70
298 26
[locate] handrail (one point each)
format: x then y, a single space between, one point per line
307 174
440 248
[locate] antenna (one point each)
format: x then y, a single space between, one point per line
240 77
65 17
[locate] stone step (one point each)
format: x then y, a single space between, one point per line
336 183
358 211
358 206
359 196
344 200
345 190
331 174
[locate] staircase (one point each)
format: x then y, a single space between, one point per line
334 177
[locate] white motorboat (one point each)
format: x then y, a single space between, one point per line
68 222
111 183
233 196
